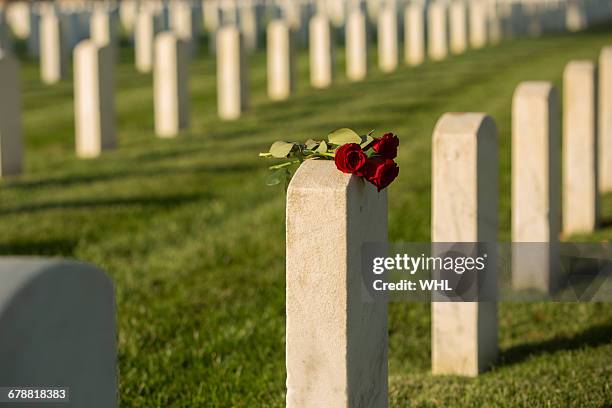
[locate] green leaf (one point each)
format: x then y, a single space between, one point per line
281 149
322 147
343 136
278 177
311 144
366 141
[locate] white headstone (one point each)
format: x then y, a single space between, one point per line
247 18
458 26
605 120
336 343
388 53
18 16
128 10
356 46
464 209
182 23
281 65
414 34
94 99
437 19
211 15
52 49
536 184
478 23
321 52
144 37
170 82
103 28
231 74
580 195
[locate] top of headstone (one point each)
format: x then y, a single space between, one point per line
461 123
317 175
534 88
580 65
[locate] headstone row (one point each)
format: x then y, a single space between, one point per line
336 341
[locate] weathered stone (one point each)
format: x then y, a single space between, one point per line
464 209
580 195
336 342
605 120
536 183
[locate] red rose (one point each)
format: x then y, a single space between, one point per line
380 171
350 159
386 146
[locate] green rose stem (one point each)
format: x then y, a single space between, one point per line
283 165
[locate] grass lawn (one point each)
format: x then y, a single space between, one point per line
194 240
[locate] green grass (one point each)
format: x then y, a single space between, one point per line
194 240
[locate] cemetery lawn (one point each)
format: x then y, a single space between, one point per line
194 239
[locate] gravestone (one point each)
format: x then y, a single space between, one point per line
128 12
247 19
336 343
580 195
182 24
52 48
11 143
18 17
605 120
211 15
281 64
536 183
144 40
102 28
170 85
57 320
356 46
388 53
464 209
414 33
94 99
478 23
458 26
437 23
495 24
321 52
231 74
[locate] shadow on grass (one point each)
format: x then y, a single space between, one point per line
49 248
593 337
146 201
70 180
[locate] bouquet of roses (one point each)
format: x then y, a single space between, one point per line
364 156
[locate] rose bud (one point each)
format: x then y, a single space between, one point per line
386 146
350 158
380 171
